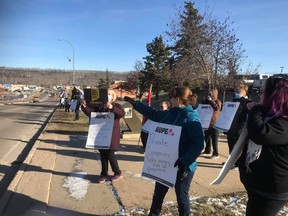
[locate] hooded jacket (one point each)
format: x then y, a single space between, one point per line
191 139
268 174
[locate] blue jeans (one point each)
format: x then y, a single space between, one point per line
182 194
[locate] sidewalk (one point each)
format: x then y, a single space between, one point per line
59 177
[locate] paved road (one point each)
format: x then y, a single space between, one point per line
21 123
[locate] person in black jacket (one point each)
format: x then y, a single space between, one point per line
263 164
76 95
240 117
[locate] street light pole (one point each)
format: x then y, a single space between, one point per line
72 57
281 69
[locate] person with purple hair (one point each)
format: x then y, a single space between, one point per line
263 164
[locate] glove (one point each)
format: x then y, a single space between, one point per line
129 99
182 169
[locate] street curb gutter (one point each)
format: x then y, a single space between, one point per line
11 188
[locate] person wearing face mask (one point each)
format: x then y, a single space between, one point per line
108 155
240 117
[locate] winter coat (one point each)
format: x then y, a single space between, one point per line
118 113
268 174
239 118
191 139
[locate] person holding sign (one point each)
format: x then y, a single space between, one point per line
212 134
108 155
76 97
240 117
191 144
263 164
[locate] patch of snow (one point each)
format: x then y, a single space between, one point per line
77 185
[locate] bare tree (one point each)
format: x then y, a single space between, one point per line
205 48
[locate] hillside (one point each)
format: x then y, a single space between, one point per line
50 77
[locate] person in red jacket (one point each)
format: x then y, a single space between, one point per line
108 155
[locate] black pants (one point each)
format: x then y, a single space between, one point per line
144 137
77 111
108 155
211 136
231 142
262 206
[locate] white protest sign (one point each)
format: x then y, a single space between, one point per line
146 126
205 112
226 116
233 157
100 130
161 153
73 104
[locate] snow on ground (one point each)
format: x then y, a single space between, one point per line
228 205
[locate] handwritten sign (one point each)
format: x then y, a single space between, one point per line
146 126
161 153
100 130
205 112
233 157
73 104
226 116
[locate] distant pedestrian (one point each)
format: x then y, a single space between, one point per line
67 104
263 164
108 155
77 96
212 134
191 144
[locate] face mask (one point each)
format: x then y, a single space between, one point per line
237 95
109 98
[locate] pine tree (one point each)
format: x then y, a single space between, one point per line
156 69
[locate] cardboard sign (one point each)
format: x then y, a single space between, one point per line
161 153
226 116
205 112
100 130
95 96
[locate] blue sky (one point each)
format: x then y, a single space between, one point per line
112 34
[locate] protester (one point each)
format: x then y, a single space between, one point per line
67 104
212 134
240 116
164 105
190 145
194 101
263 164
76 96
108 155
